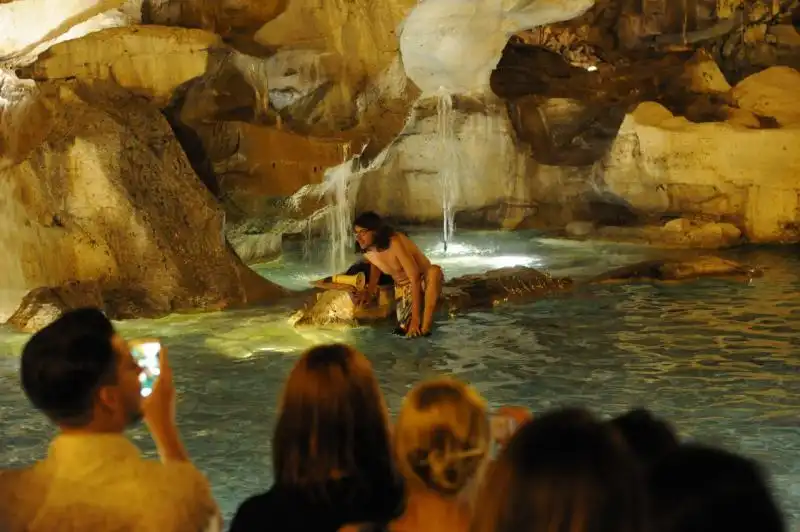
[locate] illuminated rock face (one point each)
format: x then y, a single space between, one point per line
108 196
147 60
661 163
29 27
487 166
453 45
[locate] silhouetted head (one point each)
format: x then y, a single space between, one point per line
648 437
333 424
371 231
442 437
79 372
702 489
563 471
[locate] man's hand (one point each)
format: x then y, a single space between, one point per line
159 414
364 298
159 407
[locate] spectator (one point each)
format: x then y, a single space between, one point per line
701 489
79 372
330 451
443 443
648 437
562 471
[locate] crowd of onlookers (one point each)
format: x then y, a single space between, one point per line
445 464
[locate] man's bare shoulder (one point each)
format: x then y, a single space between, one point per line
404 242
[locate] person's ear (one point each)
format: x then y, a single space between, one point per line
107 398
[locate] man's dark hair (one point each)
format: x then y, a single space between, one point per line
373 222
64 364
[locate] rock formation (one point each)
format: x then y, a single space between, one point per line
107 196
336 308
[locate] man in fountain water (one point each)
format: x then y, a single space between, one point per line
418 283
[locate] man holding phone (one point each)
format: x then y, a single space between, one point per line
80 373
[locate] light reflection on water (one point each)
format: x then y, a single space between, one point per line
719 358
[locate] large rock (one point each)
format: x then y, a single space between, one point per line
465 149
109 197
24 118
238 20
662 164
773 93
351 48
148 60
439 34
29 27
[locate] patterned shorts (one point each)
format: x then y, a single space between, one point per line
404 303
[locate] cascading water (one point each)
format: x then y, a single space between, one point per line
341 191
340 187
448 171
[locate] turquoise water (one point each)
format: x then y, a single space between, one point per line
719 358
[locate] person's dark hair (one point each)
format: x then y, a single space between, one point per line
373 222
701 489
564 467
333 424
64 364
648 437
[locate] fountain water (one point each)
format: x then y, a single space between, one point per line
342 187
448 172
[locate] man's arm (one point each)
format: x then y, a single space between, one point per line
411 270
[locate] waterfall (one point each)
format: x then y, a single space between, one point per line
448 172
342 186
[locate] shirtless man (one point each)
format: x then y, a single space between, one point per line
418 283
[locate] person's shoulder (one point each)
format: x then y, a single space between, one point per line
255 509
400 238
21 494
183 478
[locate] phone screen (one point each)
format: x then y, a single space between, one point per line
146 353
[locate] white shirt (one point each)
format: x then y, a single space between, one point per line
100 482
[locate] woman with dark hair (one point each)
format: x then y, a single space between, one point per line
703 489
418 283
563 471
649 438
331 453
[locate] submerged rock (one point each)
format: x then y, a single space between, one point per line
495 287
679 270
500 286
335 307
109 197
42 306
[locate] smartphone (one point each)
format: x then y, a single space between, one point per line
146 354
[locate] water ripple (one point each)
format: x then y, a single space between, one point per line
719 358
